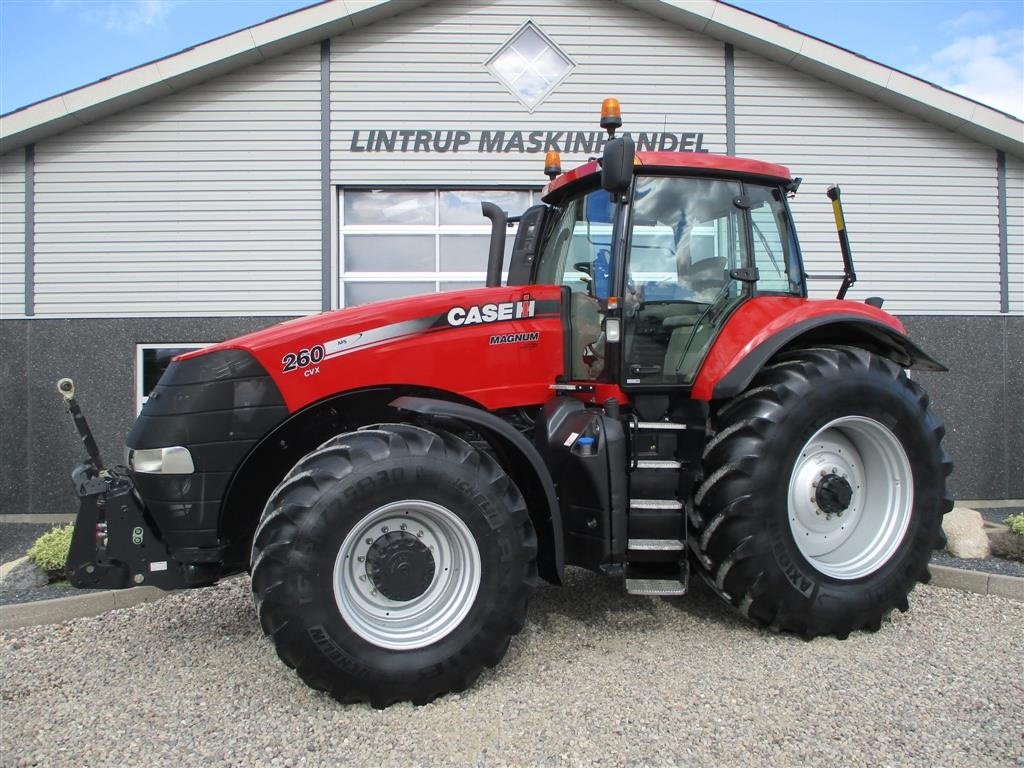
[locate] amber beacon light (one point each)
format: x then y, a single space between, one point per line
552 164
611 116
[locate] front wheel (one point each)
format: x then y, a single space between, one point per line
823 495
393 564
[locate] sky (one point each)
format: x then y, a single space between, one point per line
51 46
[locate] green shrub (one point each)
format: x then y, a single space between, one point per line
50 552
1016 523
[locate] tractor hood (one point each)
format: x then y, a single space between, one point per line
496 346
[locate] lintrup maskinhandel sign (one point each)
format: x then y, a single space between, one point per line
440 141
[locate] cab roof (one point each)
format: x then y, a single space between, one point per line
675 163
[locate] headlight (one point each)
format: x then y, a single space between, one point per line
175 460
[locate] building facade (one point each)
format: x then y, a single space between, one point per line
338 155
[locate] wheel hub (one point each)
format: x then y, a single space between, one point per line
833 494
400 566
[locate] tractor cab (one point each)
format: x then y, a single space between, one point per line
655 255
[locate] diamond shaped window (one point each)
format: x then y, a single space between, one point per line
530 65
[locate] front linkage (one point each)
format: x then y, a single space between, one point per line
113 545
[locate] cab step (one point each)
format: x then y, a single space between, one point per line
657 578
651 426
670 464
655 504
655 587
656 545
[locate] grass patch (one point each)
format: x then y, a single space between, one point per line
1016 523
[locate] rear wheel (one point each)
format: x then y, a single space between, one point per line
823 495
393 564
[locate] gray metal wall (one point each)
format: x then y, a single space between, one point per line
214 201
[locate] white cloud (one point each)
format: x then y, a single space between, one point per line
988 68
130 17
974 18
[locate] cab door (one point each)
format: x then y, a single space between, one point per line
687 238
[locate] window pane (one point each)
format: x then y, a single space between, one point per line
363 293
389 253
771 252
388 207
465 253
468 253
463 206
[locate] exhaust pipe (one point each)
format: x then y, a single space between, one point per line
496 255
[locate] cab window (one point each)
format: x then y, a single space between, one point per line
577 254
774 247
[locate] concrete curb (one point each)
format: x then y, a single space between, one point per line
978 582
39 519
75 607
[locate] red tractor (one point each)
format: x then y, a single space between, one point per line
650 393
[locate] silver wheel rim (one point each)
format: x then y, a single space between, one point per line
862 537
432 615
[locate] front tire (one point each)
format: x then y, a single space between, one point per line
823 495
393 564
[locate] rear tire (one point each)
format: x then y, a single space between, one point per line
393 564
823 495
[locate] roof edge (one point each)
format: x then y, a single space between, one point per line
190 67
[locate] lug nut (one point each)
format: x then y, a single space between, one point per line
384 529
361 559
403 527
370 542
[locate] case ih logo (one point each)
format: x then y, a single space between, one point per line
491 313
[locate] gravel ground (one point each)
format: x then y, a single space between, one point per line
16 538
596 678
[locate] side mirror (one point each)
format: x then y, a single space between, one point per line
617 164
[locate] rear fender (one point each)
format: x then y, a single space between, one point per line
744 347
524 465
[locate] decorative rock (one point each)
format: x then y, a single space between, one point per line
1006 543
965 534
20 574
